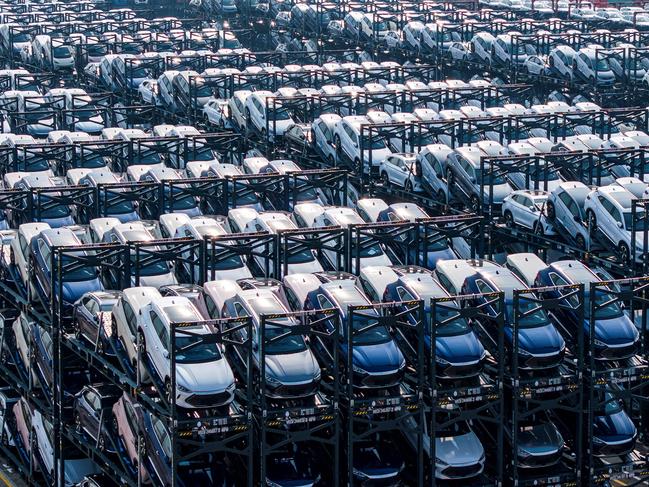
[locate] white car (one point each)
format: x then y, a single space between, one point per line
347 139
268 118
203 375
237 105
148 91
217 112
609 212
401 170
525 208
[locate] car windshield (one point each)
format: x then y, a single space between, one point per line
640 223
302 257
155 268
119 207
374 143
602 65
531 315
452 429
367 251
148 157
61 52
491 177
231 44
381 26
20 37
138 73
287 344
84 115
373 336
36 164
57 211
448 322
279 114
203 91
75 273
193 350
202 154
181 201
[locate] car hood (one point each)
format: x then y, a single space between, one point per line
437 255
378 155
205 377
614 427
305 268
58 222
616 331
280 126
40 129
292 367
540 439
463 449
230 274
459 348
383 357
74 290
540 339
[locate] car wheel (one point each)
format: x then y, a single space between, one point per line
509 219
77 422
385 179
450 179
337 146
592 221
248 118
551 213
581 242
168 392
101 443
623 252
357 166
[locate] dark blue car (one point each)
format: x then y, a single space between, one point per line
76 281
376 359
459 353
615 337
436 247
613 430
540 346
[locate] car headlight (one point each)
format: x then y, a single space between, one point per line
318 376
402 364
442 361
523 453
599 343
522 351
231 387
270 379
598 440
484 355
182 388
440 461
358 370
360 474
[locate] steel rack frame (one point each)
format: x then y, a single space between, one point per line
257 248
77 155
20 157
392 410
36 201
293 242
624 381
638 262
206 192
309 420
109 195
556 390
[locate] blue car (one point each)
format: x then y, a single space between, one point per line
376 358
76 281
613 430
616 337
459 353
540 346
437 247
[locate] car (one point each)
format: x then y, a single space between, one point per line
565 210
347 140
508 50
148 91
458 352
609 213
22 333
92 318
22 414
323 136
264 113
77 465
128 421
482 183
459 453
614 433
615 336
217 112
124 209
193 292
593 67
92 409
204 378
401 169
376 360
432 161
8 399
291 369
561 60
539 442
236 104
75 280
536 65
525 208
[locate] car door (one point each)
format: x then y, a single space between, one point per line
90 413
524 203
350 142
608 221
84 318
157 342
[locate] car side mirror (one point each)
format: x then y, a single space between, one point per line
472 179
577 218
619 224
165 354
532 208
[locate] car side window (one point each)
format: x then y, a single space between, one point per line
92 306
404 294
93 400
159 328
45 251
563 196
445 281
129 314
239 310
324 302
211 306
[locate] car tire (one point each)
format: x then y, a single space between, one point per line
581 241
332 161
101 443
385 179
550 211
168 391
538 229
475 203
77 422
509 219
450 179
624 254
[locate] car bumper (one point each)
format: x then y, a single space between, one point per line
459 472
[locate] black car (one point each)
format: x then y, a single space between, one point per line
92 412
92 319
